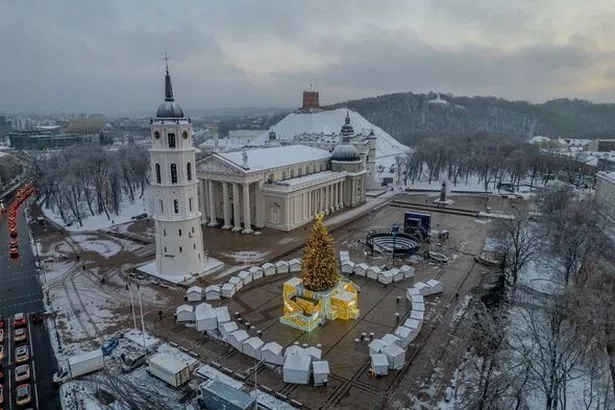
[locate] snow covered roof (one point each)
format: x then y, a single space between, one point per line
84 357
261 159
320 367
240 335
298 361
254 342
204 313
313 351
223 314
197 289
272 347
214 288
167 362
330 122
183 308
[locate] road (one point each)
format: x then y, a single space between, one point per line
20 291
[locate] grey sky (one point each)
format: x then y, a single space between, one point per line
107 56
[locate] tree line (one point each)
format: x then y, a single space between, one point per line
86 179
491 158
411 117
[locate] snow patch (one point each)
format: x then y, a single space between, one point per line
96 222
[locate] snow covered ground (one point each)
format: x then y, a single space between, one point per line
92 223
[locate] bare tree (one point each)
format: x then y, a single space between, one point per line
519 243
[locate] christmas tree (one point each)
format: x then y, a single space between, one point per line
319 266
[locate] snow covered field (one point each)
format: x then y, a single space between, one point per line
92 223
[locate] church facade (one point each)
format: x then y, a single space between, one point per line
283 187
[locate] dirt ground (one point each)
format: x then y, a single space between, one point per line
430 359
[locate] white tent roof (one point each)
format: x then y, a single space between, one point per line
195 289
297 361
223 314
320 367
272 347
184 308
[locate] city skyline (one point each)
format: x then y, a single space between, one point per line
66 56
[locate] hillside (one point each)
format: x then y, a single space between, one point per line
410 117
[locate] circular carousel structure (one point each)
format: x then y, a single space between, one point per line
397 243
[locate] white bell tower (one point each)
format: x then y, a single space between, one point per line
179 240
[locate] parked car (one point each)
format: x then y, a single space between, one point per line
22 373
36 318
20 334
1 351
19 320
109 345
22 354
23 394
1 335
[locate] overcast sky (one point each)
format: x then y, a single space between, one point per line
107 56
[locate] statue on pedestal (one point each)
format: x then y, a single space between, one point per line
443 192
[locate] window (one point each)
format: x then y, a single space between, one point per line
176 206
165 248
173 174
300 172
284 175
171 140
194 246
161 206
158 177
190 204
193 229
164 232
180 249
180 232
189 171
292 173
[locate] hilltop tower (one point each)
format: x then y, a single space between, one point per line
179 240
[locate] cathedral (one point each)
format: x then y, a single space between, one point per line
284 187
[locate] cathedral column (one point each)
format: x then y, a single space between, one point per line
236 217
327 198
338 197
332 198
260 206
341 200
338 188
225 206
212 204
247 222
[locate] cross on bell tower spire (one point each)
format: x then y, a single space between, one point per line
168 88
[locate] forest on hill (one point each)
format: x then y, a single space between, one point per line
411 117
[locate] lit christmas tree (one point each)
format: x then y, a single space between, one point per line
319 265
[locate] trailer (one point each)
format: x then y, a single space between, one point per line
216 395
80 365
170 370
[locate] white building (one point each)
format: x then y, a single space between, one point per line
605 192
174 189
283 187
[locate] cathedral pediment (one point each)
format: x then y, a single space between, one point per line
214 165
